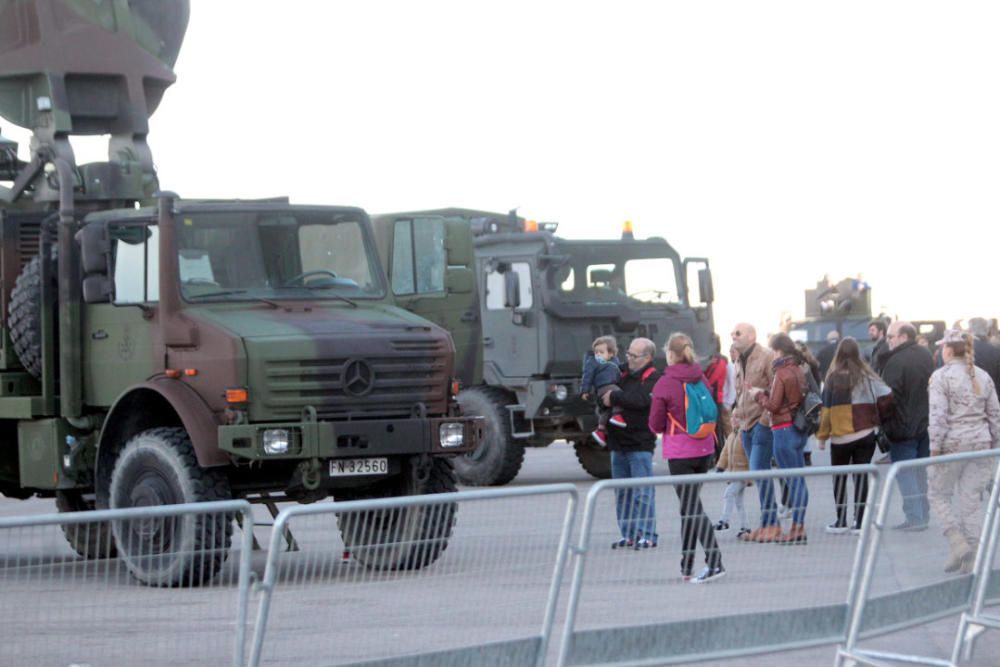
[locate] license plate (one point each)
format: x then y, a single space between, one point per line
349 467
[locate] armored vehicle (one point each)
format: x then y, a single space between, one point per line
159 351
523 307
845 307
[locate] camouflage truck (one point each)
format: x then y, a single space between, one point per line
523 307
157 351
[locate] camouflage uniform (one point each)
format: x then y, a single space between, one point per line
961 421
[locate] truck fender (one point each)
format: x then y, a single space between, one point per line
151 404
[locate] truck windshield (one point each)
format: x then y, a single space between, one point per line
246 255
597 280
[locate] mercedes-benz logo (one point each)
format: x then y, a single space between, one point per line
358 377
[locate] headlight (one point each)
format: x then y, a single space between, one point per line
275 441
560 392
452 434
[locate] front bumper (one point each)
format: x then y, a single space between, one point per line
352 439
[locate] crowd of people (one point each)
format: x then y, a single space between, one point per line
904 399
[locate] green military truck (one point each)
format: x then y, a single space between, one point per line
523 307
158 351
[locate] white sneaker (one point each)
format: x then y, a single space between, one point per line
837 529
783 512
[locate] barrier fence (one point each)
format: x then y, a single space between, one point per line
630 606
108 607
383 581
931 512
475 577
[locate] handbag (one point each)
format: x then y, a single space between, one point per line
807 417
881 439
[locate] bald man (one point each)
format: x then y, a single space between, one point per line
907 367
754 370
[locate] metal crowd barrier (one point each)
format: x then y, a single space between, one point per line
71 594
902 581
632 606
395 581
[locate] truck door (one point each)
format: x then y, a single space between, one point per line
431 275
117 337
510 319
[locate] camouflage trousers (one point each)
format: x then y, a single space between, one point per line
955 491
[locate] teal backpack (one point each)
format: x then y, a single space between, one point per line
700 411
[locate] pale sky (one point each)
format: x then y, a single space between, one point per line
783 140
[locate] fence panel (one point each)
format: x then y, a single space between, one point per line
928 551
631 606
381 582
74 594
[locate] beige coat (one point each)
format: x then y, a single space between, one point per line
733 457
760 374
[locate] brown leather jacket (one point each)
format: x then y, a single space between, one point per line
757 372
787 391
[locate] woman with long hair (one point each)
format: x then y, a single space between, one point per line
686 455
783 399
854 398
964 417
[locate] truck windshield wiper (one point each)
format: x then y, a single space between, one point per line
227 292
334 294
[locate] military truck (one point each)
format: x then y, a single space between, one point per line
845 307
157 351
523 307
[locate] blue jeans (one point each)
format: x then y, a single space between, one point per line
635 508
757 443
913 483
789 445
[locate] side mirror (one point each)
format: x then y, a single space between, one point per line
511 289
705 285
459 280
95 248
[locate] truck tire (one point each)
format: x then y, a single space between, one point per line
94 540
595 460
24 315
498 458
158 467
410 538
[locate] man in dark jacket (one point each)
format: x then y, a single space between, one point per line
877 333
632 447
906 368
986 356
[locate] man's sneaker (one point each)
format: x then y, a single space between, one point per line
622 544
722 525
910 526
709 574
617 420
644 544
837 529
599 438
743 531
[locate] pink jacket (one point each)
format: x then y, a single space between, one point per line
668 401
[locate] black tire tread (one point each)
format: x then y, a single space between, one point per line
594 460
208 484
24 319
512 454
93 541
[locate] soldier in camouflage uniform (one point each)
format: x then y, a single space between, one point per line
964 417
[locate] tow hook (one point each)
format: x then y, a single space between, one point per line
422 466
311 476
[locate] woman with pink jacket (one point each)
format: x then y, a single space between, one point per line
685 455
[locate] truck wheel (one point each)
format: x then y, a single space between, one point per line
25 315
401 539
91 540
498 458
594 459
158 467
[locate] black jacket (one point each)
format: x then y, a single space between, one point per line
878 352
634 397
825 358
907 370
988 358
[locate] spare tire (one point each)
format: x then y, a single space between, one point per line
24 315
